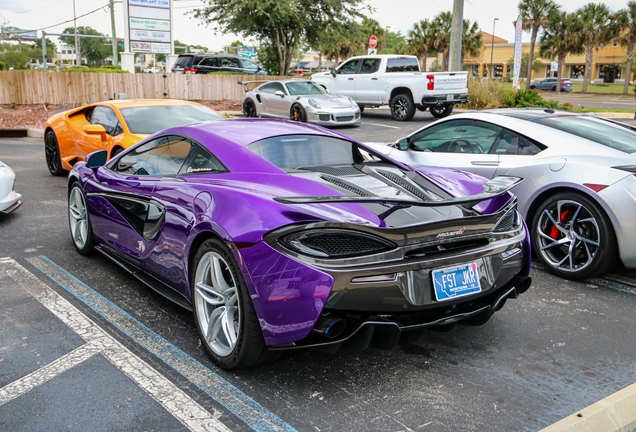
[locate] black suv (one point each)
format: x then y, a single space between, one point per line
203 63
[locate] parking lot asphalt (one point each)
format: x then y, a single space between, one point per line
93 366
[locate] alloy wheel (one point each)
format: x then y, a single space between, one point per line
78 217
217 303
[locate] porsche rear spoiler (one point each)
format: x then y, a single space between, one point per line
491 189
246 84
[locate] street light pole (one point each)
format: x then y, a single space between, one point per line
78 61
386 39
492 47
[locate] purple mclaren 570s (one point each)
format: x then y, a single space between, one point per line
279 235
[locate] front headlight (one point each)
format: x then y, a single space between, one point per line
353 101
314 103
333 243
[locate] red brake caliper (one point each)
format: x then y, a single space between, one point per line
554 232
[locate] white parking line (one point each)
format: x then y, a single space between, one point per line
382 125
619 103
180 405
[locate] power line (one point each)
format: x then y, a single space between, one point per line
68 21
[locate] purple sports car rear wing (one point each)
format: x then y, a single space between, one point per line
491 189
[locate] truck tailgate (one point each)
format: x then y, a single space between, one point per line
451 80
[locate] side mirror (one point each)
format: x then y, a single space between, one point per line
333 72
279 93
403 144
97 159
95 129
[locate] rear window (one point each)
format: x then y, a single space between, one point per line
184 61
298 151
596 130
402 64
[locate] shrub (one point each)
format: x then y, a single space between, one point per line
484 95
88 69
3 65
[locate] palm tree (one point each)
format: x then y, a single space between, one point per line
596 31
420 41
560 38
441 30
534 15
472 40
626 20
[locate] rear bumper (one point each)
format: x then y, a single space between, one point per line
444 99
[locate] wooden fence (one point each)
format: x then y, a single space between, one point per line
78 88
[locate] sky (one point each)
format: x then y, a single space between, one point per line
398 15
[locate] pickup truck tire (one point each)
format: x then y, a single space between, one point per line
441 111
402 107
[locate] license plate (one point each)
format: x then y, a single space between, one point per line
457 281
450 97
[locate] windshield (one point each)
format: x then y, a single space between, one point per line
297 151
304 88
151 119
596 130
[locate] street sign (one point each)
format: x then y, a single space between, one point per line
373 41
372 51
554 66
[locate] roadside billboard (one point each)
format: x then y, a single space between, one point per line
149 26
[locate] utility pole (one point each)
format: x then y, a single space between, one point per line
112 26
78 60
455 54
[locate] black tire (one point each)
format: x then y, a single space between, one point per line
297 113
402 107
532 87
361 108
554 88
227 304
79 221
249 108
579 221
52 154
441 111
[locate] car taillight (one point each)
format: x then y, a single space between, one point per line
192 70
563 83
431 82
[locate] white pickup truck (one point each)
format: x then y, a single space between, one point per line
396 80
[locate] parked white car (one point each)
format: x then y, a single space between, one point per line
396 80
300 100
579 193
9 199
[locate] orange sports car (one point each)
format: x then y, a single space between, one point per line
114 126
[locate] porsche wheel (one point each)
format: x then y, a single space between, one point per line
441 111
249 109
298 113
223 310
402 107
52 154
79 221
573 237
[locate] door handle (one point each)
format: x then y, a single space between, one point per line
350 79
485 163
374 79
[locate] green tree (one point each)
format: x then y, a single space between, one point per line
596 31
560 38
441 30
279 24
472 39
396 43
231 48
16 59
93 49
626 20
35 51
534 15
420 41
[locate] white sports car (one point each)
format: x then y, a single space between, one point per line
9 199
300 100
579 193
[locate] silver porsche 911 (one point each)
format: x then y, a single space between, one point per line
300 100
579 193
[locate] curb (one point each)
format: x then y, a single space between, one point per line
616 413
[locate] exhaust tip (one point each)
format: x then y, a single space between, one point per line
329 328
523 284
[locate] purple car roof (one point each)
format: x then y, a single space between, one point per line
228 139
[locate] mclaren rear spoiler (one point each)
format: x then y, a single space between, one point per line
491 189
